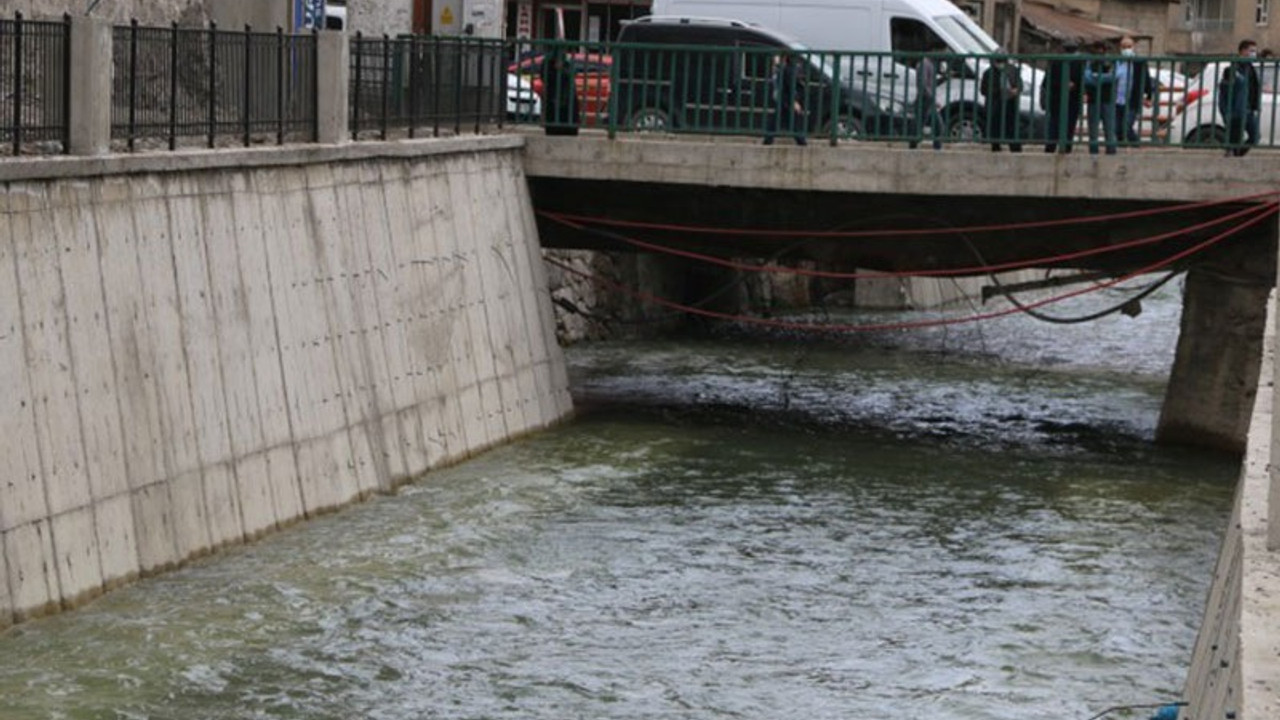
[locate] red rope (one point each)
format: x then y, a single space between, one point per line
752 232
1267 211
972 270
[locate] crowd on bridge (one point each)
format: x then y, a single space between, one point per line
1108 84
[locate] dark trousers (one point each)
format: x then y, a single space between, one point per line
1002 125
1062 124
789 121
1127 117
927 114
1242 128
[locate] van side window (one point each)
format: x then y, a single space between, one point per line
757 62
912 36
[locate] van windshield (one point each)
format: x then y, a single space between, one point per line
968 38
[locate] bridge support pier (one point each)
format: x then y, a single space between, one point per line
1215 373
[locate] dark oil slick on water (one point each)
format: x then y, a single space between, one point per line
960 524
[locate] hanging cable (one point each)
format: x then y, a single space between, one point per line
1045 317
934 322
981 269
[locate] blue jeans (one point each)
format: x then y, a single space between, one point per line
1106 113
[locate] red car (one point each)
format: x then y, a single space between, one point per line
590 79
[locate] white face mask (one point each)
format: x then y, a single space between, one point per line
1127 52
1251 53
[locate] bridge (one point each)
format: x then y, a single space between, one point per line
204 346
638 194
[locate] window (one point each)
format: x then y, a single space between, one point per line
1210 15
1262 12
909 35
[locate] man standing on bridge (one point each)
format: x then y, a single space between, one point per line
1240 99
785 91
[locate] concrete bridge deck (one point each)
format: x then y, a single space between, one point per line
876 186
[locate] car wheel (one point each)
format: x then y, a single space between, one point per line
1206 136
653 120
847 127
964 125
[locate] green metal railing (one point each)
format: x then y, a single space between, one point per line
1059 101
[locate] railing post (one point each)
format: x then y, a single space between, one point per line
17 83
89 111
333 88
282 82
246 111
355 112
133 83
413 85
386 85
173 85
213 84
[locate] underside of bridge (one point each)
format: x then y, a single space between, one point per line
1211 387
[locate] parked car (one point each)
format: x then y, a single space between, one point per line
1201 124
726 87
870 32
591 71
523 103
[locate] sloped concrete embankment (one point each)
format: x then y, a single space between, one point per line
195 357
1235 667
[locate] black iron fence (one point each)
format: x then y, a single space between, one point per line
35 84
208 86
416 83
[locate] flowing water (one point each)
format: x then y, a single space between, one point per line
962 524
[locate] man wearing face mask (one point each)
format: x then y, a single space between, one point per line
1239 100
1135 88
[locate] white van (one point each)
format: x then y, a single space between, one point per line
885 26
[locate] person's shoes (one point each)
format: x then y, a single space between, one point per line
937 146
1111 151
768 141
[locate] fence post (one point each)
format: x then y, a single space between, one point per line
18 94
90 107
333 55
213 84
246 113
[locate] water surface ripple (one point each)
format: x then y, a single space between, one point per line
738 528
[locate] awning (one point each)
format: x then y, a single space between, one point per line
1064 26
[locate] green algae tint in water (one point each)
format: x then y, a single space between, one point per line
737 529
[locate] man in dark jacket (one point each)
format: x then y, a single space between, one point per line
1001 86
1240 99
786 91
1135 89
559 94
1061 95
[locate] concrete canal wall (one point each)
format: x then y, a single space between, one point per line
199 348
1235 667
